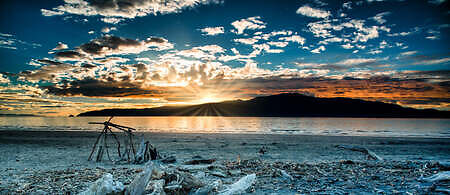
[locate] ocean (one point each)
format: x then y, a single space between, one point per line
256 125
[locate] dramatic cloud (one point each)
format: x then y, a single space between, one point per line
68 55
212 30
251 23
115 11
112 45
313 12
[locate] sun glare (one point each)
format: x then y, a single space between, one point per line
209 99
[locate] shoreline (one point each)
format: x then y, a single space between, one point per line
58 159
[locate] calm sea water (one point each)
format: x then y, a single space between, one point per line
263 125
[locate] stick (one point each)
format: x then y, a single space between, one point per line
95 145
106 145
363 150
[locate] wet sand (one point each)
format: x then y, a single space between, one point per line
41 151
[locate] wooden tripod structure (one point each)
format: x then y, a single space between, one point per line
129 146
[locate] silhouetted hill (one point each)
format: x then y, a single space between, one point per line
282 105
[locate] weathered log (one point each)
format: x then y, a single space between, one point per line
366 151
441 176
140 155
140 182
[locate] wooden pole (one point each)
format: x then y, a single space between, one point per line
95 145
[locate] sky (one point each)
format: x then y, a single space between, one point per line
65 57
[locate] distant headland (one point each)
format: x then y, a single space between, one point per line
283 105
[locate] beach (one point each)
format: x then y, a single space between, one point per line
47 155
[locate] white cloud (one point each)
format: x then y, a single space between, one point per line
112 20
46 12
379 17
278 44
294 38
347 5
61 46
6 35
212 49
408 53
375 51
4 79
251 23
356 61
432 61
331 40
248 41
91 32
213 30
433 37
266 48
347 46
108 29
313 12
318 50
413 31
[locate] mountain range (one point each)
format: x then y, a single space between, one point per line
283 105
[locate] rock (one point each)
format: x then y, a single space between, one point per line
285 175
158 187
205 190
218 174
104 185
200 161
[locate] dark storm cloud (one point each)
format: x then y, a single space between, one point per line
95 88
106 43
68 55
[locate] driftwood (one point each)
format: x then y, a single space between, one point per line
145 153
240 186
205 190
105 185
140 182
441 176
366 151
158 187
102 143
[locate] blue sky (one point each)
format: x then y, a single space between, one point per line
82 55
